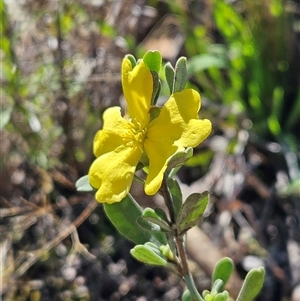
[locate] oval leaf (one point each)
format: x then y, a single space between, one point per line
83 184
170 73
179 158
180 78
176 195
124 215
224 296
153 60
223 269
150 215
145 253
192 211
252 284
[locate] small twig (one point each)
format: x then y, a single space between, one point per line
62 235
80 248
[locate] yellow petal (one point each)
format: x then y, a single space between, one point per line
179 121
158 154
112 173
138 88
115 129
177 126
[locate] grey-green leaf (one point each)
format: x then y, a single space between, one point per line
223 269
170 73
146 254
124 215
179 158
252 285
176 195
191 211
180 78
83 184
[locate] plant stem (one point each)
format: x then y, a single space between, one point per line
189 281
186 274
183 268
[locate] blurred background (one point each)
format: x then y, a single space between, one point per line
60 63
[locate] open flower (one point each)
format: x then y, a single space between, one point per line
122 141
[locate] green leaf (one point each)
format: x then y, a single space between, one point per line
192 211
146 254
153 60
150 215
170 73
132 59
176 195
223 269
217 286
83 184
162 214
252 285
156 87
5 116
186 296
202 62
124 215
179 158
180 78
224 296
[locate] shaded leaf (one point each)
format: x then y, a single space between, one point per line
124 215
192 211
156 87
132 59
170 73
162 214
179 158
150 215
176 195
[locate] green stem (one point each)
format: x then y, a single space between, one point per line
185 270
192 288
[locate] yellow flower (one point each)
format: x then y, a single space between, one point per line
122 141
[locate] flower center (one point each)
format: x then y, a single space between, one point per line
135 134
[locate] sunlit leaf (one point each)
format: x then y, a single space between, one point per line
180 77
146 254
252 284
153 60
83 184
223 269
